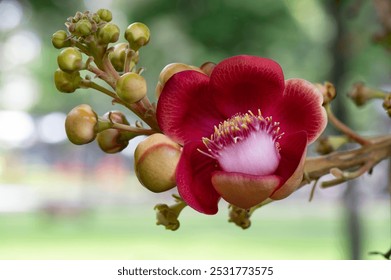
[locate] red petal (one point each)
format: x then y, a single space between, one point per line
243 190
185 110
301 109
293 153
243 83
193 177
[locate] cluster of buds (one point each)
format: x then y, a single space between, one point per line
91 44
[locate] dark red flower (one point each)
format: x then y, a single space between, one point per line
244 131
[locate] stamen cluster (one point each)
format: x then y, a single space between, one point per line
238 128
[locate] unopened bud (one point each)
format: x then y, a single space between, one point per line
118 57
361 94
105 15
131 87
60 39
169 70
67 82
109 33
156 159
70 59
328 91
81 125
83 27
113 140
137 34
387 104
208 67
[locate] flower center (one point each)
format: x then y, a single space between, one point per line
246 143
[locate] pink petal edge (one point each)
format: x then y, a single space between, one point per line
193 176
301 109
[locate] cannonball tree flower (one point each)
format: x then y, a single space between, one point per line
244 131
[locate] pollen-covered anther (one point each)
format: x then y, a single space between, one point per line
246 143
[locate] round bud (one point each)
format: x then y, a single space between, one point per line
83 27
81 124
137 34
173 68
67 82
114 140
131 87
168 71
156 159
70 59
117 56
105 15
108 33
207 67
60 39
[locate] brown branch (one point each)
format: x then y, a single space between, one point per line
366 156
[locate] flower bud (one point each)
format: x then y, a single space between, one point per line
328 91
67 82
60 39
387 104
171 69
114 140
109 33
137 34
131 87
361 94
83 27
81 125
105 15
118 57
70 59
207 67
168 71
156 159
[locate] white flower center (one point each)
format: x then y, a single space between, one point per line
246 143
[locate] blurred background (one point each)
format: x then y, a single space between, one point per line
61 201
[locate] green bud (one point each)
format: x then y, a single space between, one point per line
137 34
117 56
67 82
81 125
109 33
105 15
70 59
83 27
114 140
131 87
60 39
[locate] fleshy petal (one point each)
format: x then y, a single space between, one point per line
242 190
193 177
293 153
185 110
244 82
301 109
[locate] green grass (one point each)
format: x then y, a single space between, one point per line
277 232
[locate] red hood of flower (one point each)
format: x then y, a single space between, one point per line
192 104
